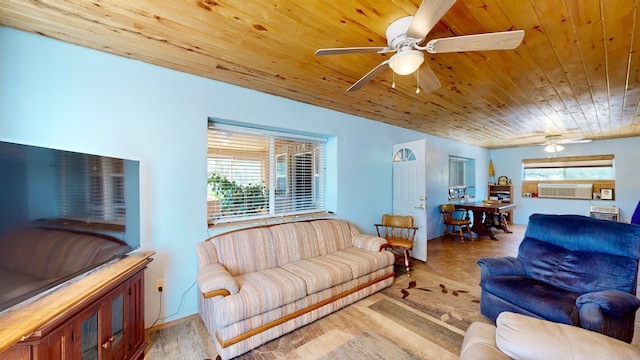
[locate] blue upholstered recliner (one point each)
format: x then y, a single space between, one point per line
570 269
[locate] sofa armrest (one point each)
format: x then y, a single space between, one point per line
368 242
504 266
214 280
612 302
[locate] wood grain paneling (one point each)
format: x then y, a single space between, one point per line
577 72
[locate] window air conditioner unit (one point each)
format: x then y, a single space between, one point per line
605 213
565 191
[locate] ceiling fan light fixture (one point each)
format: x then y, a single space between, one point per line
406 61
552 148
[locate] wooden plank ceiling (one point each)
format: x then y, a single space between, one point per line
576 74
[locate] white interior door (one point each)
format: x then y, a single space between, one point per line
410 189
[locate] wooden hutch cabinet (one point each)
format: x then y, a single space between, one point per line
102 325
504 194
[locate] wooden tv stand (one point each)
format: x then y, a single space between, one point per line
99 315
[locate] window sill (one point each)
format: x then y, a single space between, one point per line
271 220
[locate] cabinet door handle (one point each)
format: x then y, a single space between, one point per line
108 343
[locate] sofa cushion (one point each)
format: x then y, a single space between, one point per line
578 271
321 272
363 262
533 295
333 235
259 292
245 251
294 241
524 337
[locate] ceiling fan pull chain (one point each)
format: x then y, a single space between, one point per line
417 82
393 80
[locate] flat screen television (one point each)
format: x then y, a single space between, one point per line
62 214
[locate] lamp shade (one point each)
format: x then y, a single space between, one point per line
406 62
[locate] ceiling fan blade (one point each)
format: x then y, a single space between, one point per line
427 16
427 79
351 50
370 75
573 141
505 40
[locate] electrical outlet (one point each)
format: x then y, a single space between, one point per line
159 285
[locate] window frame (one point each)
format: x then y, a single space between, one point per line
567 163
280 199
467 188
530 187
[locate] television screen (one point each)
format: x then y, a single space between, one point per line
62 213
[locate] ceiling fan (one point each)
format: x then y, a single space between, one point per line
405 35
553 143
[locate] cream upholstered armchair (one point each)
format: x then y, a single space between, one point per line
517 336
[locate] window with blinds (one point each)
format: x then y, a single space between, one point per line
457 169
597 170
92 188
462 180
256 173
569 168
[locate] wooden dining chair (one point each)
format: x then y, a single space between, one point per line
499 220
400 234
455 222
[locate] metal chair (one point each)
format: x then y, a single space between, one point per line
400 234
457 224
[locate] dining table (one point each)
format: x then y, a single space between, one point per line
483 217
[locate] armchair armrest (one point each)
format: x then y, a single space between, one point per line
506 266
214 280
612 302
368 242
610 312
523 337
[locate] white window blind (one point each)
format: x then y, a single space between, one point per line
457 169
254 173
92 188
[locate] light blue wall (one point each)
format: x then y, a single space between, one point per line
627 175
63 96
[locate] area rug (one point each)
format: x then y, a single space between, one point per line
453 303
369 345
422 317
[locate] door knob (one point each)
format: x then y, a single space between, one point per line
421 207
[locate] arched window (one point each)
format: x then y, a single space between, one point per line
404 154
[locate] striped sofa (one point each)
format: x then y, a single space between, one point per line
260 283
